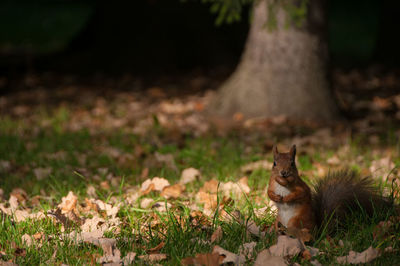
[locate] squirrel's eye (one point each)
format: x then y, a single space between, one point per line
274 163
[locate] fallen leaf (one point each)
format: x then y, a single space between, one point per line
27 240
110 210
315 263
156 248
105 185
189 175
236 189
210 186
38 236
20 252
20 194
42 173
306 255
129 258
229 256
68 203
357 258
62 218
146 202
145 173
286 246
13 201
158 183
167 159
381 168
217 235
209 200
153 257
334 160
253 229
173 191
91 191
207 259
264 258
247 249
250 167
161 206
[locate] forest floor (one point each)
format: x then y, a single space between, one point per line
90 175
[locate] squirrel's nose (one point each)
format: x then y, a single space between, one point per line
284 173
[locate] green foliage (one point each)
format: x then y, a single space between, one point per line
228 11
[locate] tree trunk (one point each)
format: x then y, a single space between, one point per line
282 71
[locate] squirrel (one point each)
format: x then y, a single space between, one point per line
333 197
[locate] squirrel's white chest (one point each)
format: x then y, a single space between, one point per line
285 210
281 190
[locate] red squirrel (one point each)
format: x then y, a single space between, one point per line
333 197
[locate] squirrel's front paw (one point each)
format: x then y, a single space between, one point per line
275 197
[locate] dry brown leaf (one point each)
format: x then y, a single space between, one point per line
38 236
110 210
62 218
381 168
91 205
306 255
146 203
91 191
237 189
148 189
166 159
153 257
42 173
229 256
27 240
334 160
247 249
315 263
382 229
68 203
156 248
161 206
189 175
379 103
20 252
173 191
20 194
357 258
129 258
250 167
206 259
209 200
156 184
286 246
217 235
13 201
105 185
264 258
253 229
210 186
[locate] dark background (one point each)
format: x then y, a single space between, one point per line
153 37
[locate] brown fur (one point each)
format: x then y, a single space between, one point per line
335 196
284 173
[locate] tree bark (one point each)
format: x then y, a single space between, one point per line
282 71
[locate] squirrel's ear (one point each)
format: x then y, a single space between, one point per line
275 151
293 151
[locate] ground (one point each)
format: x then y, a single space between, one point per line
78 164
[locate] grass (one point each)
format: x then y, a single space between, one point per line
79 158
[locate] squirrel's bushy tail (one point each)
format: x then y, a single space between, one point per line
342 192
